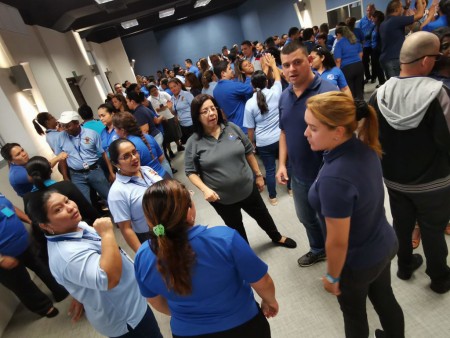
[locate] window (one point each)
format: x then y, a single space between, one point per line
339 14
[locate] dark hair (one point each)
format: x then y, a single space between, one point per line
238 70
328 61
41 120
6 150
37 207
259 82
351 21
107 107
127 121
39 169
207 78
164 81
196 105
444 7
204 66
188 61
151 87
113 150
380 16
177 81
307 34
214 59
392 6
131 88
232 57
124 84
136 97
85 112
122 99
292 31
193 80
324 28
167 203
247 43
293 46
220 67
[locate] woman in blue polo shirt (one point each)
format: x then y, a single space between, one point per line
348 195
181 101
201 276
48 121
92 267
108 134
348 56
323 63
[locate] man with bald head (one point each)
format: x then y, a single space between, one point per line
414 122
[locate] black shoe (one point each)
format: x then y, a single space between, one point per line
53 313
171 154
288 243
405 273
180 148
373 80
311 259
440 285
380 334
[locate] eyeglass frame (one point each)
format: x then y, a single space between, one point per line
133 153
206 111
437 56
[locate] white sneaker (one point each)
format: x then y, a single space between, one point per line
273 201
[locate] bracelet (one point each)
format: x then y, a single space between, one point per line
258 174
331 279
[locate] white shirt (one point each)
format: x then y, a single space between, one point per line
162 98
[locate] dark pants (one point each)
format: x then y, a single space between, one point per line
377 70
375 283
391 68
354 74
432 212
255 207
147 327
367 57
143 236
18 280
186 132
257 327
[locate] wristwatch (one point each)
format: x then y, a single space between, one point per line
258 174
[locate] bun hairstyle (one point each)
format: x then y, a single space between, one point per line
39 169
166 203
259 82
335 109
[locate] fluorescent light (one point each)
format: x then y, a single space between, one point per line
129 24
102 1
166 12
182 18
201 3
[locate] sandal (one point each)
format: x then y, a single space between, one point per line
416 237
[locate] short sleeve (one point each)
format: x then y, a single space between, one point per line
338 50
144 268
249 266
245 141
189 97
341 81
337 197
119 206
189 155
98 143
249 120
154 103
154 145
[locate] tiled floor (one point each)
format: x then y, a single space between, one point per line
306 310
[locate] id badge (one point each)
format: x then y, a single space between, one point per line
85 166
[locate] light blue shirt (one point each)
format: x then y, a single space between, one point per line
182 106
210 90
75 263
267 130
125 198
51 136
83 148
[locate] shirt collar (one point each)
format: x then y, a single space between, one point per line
313 86
330 156
196 230
75 234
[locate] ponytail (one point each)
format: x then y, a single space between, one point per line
39 169
38 127
259 82
368 129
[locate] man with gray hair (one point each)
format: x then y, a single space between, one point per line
414 122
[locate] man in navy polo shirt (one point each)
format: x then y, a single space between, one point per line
305 163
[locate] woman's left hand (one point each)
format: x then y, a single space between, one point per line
332 288
260 183
76 310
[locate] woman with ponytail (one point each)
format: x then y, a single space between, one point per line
201 276
261 117
348 194
48 121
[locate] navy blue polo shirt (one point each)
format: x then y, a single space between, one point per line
144 115
350 184
305 162
392 36
13 235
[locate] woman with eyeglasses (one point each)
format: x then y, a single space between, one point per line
91 266
125 195
201 276
219 161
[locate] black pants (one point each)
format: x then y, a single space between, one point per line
432 212
143 236
186 132
18 280
377 70
255 207
257 327
367 58
354 74
375 283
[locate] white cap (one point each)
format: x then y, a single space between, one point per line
68 116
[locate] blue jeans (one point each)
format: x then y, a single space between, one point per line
391 68
93 178
147 327
307 215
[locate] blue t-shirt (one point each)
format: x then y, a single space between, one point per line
13 235
335 76
144 115
367 27
145 155
439 22
267 129
330 41
350 184
221 298
194 69
182 107
108 137
305 162
231 97
94 125
18 178
359 35
392 36
347 52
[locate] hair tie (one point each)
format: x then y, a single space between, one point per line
362 109
258 89
158 230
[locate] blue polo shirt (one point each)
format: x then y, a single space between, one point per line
305 163
392 36
267 130
347 52
439 22
210 90
145 155
84 147
231 97
94 125
182 107
335 76
367 27
18 178
125 198
74 260
221 298
145 91
51 136
13 235
144 115
108 137
330 41
194 69
359 35
350 184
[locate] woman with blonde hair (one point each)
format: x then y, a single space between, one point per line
348 194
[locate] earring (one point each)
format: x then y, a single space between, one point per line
192 219
52 232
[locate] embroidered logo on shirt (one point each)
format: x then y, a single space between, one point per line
231 137
87 140
330 77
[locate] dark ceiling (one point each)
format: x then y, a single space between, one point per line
100 23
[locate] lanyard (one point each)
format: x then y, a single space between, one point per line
71 138
149 178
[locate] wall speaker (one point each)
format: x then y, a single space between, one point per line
20 78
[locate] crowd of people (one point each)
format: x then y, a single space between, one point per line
223 113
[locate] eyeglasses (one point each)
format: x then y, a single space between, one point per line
207 110
437 58
129 156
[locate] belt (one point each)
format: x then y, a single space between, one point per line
91 167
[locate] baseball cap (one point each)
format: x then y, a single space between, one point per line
68 116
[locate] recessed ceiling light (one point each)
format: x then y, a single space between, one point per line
102 1
201 3
166 12
129 24
182 18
